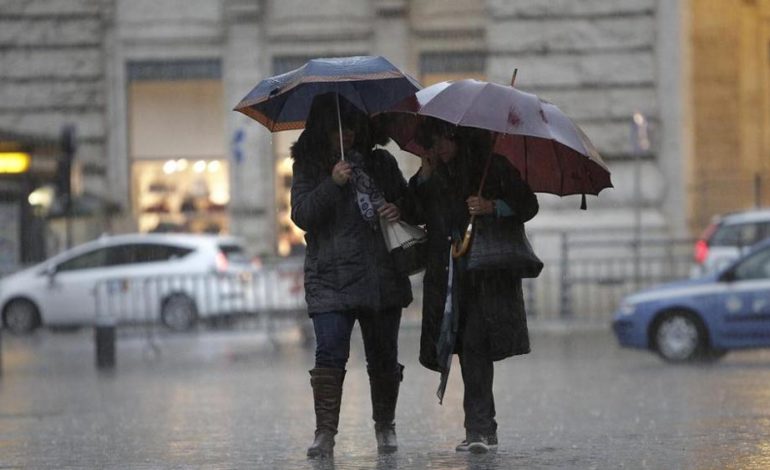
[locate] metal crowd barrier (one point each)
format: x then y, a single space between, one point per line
585 277
171 300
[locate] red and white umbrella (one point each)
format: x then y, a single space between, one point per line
550 151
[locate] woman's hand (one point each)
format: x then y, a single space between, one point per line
341 173
480 206
390 211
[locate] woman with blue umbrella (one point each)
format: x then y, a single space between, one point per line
342 186
349 273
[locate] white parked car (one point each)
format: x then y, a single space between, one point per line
174 278
727 237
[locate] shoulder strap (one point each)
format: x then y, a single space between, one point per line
486 172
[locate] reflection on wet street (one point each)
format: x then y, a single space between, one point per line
231 400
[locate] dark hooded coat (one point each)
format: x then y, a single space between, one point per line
347 265
495 295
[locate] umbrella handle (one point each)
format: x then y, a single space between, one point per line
339 126
460 248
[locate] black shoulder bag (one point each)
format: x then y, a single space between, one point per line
498 243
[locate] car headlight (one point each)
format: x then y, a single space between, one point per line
627 308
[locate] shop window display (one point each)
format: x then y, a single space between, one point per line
182 195
179 174
290 239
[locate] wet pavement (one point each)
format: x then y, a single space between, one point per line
232 400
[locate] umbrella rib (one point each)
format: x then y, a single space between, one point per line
526 159
559 162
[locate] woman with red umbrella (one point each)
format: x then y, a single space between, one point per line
486 307
349 273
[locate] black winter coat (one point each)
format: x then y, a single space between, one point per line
496 295
347 265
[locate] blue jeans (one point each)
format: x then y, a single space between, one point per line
378 329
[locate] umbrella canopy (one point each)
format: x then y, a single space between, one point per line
550 151
372 84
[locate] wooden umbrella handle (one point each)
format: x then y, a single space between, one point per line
461 247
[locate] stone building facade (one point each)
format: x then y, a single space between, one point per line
730 96
52 73
150 85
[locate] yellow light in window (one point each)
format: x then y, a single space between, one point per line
169 167
42 196
214 166
219 196
14 162
181 164
284 247
285 165
199 166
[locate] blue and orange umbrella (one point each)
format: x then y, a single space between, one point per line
370 83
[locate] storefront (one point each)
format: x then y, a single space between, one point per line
27 163
179 171
290 238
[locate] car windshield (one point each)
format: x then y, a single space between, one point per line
738 234
756 266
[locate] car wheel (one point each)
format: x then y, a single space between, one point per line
679 337
21 317
179 313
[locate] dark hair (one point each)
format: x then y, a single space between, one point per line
469 139
474 146
430 128
378 129
313 144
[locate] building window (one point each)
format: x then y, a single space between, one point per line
441 66
179 170
161 70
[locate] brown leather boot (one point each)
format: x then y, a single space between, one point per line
327 397
384 390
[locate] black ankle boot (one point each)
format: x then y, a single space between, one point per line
327 397
384 390
323 444
386 438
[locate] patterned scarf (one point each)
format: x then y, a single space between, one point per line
368 195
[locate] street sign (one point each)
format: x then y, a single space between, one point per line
237 146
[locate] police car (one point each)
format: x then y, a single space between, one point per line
703 318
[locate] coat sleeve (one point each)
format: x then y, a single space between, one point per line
516 193
312 203
418 188
404 196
